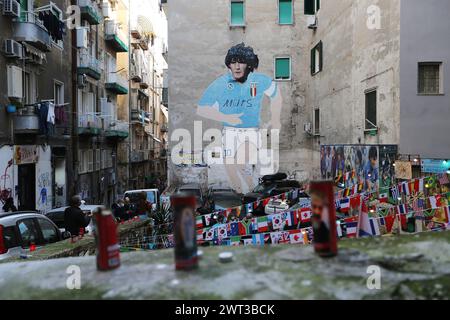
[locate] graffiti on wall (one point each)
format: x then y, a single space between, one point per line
44 183
235 100
5 183
369 165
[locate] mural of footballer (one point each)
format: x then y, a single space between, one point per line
235 99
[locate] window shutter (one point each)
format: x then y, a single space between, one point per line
313 60
285 11
90 160
318 5
320 55
309 7
237 13
282 68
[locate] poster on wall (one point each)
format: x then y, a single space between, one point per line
435 166
371 166
26 154
403 170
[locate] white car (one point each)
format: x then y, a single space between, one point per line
276 206
57 216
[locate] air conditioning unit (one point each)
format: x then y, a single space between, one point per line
11 8
12 48
106 9
307 127
82 37
14 76
82 81
312 22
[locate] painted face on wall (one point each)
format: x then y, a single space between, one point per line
238 70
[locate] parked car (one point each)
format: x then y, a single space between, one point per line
19 230
152 196
270 185
223 197
57 216
193 189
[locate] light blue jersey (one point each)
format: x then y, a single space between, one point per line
234 97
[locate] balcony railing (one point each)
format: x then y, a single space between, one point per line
90 11
89 124
29 28
89 65
116 83
115 36
140 116
116 129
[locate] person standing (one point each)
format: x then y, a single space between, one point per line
74 218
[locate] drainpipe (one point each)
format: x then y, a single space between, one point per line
73 117
130 125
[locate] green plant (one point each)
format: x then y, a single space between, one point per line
162 219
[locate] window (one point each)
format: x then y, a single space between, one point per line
430 78
28 232
317 58
97 159
237 13
49 233
316 121
58 92
371 110
282 68
285 12
312 7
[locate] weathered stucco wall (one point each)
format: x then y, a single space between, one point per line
198 45
356 59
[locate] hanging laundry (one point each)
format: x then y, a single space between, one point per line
60 115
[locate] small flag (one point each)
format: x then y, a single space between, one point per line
258 239
199 222
345 205
351 228
405 188
263 225
401 209
206 219
443 179
355 202
295 236
235 241
435 202
383 197
305 215
222 231
395 193
200 235
418 185
364 227
208 234
245 227
277 222
234 229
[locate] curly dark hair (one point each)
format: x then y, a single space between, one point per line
242 54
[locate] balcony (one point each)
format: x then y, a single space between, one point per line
89 124
165 97
116 83
89 11
140 116
137 156
31 30
89 65
117 130
136 31
145 81
27 121
114 36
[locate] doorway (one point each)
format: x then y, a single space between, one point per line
27 187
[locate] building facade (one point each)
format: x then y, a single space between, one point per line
350 73
35 85
66 95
